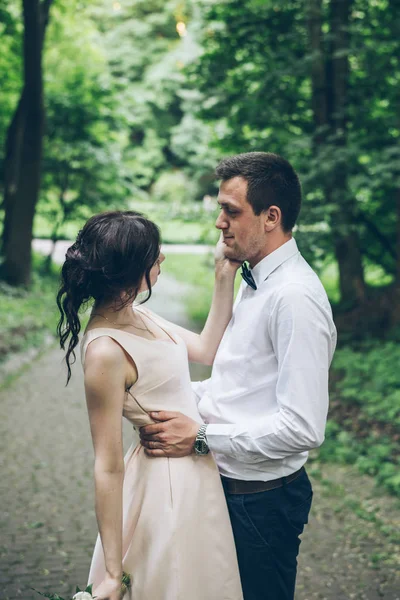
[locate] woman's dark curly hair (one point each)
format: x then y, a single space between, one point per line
111 255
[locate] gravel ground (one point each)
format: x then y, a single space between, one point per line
47 521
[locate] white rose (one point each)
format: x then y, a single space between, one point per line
83 596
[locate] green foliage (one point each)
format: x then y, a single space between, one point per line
28 316
368 380
146 57
377 459
136 112
193 143
254 84
173 187
180 222
364 427
83 163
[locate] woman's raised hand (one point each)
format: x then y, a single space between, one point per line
224 265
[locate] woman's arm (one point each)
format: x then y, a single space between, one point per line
105 381
203 347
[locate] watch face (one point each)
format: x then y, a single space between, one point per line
201 447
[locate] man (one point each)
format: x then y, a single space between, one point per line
266 402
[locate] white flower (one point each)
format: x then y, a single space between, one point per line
83 596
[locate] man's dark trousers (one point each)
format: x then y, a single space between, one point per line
266 526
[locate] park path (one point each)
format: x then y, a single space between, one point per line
47 520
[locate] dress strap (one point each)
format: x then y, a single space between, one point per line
123 338
159 321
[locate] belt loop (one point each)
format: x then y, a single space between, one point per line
284 482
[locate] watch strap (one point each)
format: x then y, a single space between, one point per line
201 440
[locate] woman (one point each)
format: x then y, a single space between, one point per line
163 521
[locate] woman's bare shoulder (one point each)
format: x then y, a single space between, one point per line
103 351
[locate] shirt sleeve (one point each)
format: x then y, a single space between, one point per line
199 388
303 338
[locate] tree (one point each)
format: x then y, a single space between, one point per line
318 81
83 167
11 32
147 56
24 149
330 82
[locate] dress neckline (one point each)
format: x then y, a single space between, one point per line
140 337
145 313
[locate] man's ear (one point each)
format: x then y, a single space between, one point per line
273 218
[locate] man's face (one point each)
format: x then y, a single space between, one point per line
243 231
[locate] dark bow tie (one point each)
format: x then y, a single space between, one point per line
248 277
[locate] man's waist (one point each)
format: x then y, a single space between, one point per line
241 486
261 471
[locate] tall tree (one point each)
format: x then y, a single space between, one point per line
330 82
24 150
318 81
146 56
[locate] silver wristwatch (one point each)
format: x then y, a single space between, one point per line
200 443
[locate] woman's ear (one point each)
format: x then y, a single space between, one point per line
273 218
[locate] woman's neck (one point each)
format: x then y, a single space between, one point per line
109 311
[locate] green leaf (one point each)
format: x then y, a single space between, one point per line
35 525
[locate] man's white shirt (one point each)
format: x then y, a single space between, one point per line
266 402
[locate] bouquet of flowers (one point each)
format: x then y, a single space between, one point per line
87 593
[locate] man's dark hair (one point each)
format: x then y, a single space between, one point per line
271 180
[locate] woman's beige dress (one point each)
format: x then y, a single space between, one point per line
177 538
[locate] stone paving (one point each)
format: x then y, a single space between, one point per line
47 519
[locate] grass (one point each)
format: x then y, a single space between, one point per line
28 316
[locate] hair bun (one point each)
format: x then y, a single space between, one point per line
74 253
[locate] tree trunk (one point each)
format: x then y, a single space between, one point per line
12 162
24 151
347 245
329 77
319 99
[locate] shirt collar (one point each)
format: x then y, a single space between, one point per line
272 261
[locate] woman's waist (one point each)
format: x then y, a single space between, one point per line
148 415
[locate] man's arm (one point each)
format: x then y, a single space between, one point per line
301 331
